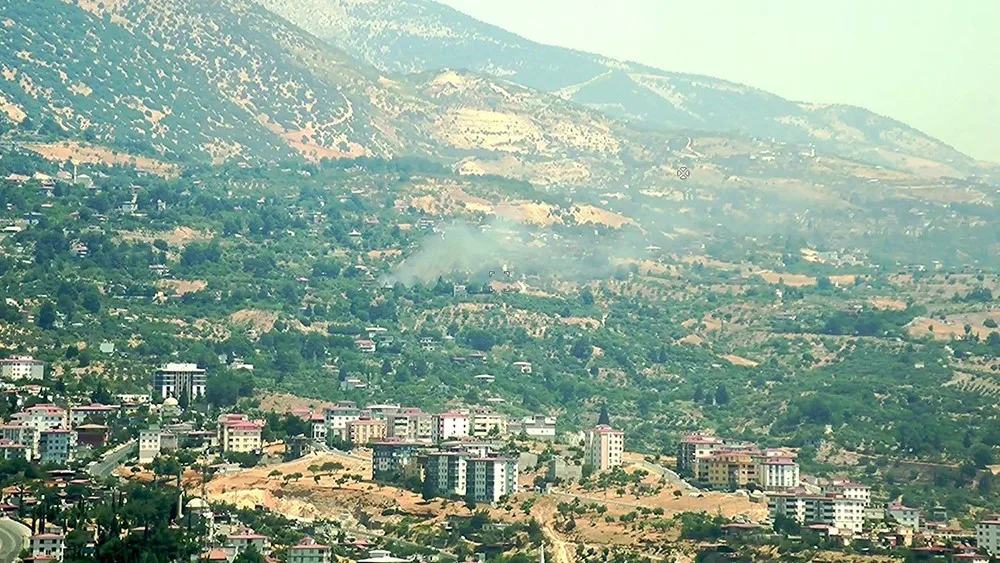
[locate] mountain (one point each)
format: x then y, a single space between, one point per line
407 36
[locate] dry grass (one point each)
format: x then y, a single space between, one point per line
86 154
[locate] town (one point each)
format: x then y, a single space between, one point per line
88 452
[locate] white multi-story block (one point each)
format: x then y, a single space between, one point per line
48 546
988 535
448 425
237 433
849 489
149 444
338 417
446 473
905 516
777 473
847 515
19 368
603 447
56 445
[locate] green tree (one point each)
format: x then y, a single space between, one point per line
46 315
721 395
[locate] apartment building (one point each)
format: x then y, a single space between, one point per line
446 473
777 473
238 543
905 516
488 479
727 469
149 444
538 427
448 425
365 430
95 412
844 514
10 449
56 445
309 551
392 457
50 546
603 447
486 423
338 416
19 434
988 535
694 447
237 433
409 424
849 489
41 417
175 379
20 368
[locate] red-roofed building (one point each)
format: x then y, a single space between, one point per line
47 545
10 449
603 447
96 412
237 433
308 551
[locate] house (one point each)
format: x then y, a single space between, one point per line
176 379
308 551
365 346
238 543
237 433
18 368
366 429
449 425
488 479
538 427
523 367
603 447
56 445
47 545
988 535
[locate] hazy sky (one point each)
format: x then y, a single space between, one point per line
934 64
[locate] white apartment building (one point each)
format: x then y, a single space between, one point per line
175 379
847 515
448 425
777 473
905 516
988 535
19 368
41 417
48 545
237 433
849 489
238 543
410 424
539 427
337 418
603 447
149 444
13 450
485 422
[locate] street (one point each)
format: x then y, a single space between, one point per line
13 537
112 460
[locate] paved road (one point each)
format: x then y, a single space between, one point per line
112 460
672 477
13 537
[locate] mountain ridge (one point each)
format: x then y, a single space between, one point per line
416 35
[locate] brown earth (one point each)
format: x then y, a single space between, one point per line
73 151
181 287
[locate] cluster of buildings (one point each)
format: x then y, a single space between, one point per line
235 433
719 463
50 434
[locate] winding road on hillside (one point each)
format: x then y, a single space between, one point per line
13 538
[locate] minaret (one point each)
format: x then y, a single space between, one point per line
541 556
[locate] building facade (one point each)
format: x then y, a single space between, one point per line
393 458
149 444
237 433
445 473
309 551
988 535
175 379
19 368
56 445
777 474
694 447
449 425
603 447
488 479
486 423
847 515
365 430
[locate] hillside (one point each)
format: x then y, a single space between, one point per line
408 36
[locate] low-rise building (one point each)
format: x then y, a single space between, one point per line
96 413
19 368
309 551
537 427
47 545
238 543
488 479
603 447
487 423
847 515
92 435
